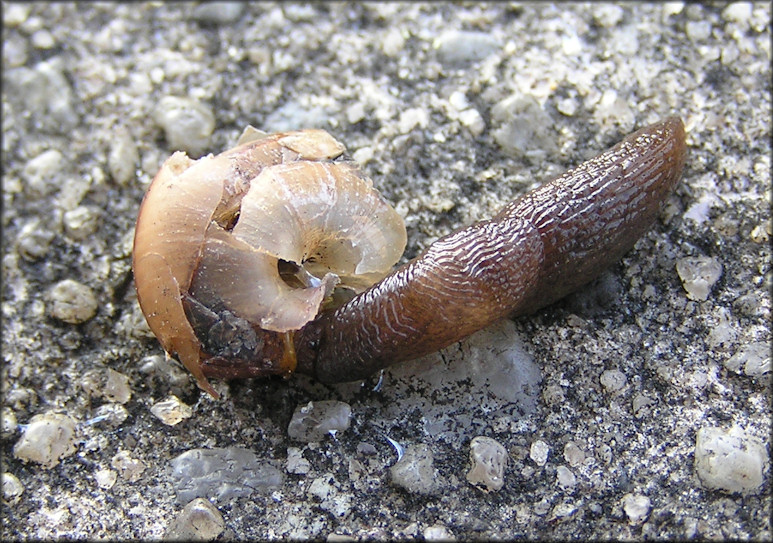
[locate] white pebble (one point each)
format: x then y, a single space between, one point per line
698 275
172 410
41 174
47 439
738 12
730 460
72 302
12 487
698 30
636 507
612 380
457 48
415 471
106 478
123 158
81 222
573 454
393 42
565 477
128 467
198 521
489 460
437 532
187 123
752 360
316 420
539 452
296 463
411 118
473 121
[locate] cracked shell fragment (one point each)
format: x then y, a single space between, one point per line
261 237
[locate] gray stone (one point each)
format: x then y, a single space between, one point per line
221 474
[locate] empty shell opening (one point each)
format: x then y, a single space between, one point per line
296 276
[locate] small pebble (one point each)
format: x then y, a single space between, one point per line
738 12
613 380
730 460
565 477
607 15
123 157
8 422
438 532
110 414
698 30
296 463
34 240
489 460
393 42
636 507
81 222
72 302
47 439
129 468
415 471
187 124
523 127
198 521
12 487
221 474
172 411
41 174
457 48
573 454
106 478
316 420
752 360
539 452
473 121
107 383
45 92
217 13
698 275
412 118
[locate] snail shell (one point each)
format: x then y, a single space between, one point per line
234 252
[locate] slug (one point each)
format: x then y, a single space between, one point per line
230 286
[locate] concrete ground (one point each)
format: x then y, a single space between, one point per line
636 408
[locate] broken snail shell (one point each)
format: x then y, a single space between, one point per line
245 263
235 252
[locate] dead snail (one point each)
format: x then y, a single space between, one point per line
260 260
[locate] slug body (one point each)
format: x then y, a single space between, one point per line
539 248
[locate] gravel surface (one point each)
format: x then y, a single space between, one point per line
638 407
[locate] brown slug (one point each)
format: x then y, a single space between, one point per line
230 302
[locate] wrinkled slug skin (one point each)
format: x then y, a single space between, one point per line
539 248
